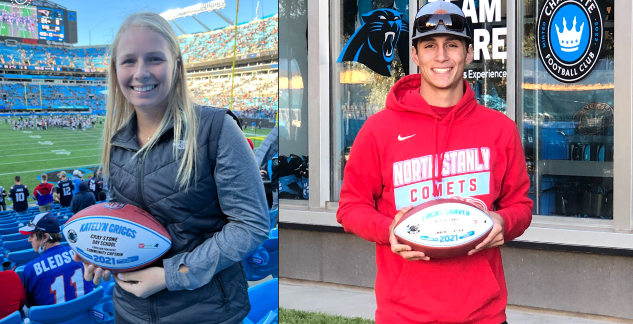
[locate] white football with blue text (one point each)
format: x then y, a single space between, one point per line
443 228
117 237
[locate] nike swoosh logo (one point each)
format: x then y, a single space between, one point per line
400 138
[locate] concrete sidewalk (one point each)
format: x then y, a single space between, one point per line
360 302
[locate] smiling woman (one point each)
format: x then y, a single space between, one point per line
192 169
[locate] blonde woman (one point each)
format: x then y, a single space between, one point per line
192 169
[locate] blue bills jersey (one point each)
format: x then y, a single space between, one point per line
54 278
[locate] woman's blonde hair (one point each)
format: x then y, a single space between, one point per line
180 104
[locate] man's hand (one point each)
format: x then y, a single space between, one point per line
402 250
142 283
495 238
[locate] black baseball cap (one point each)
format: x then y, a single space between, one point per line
441 17
45 222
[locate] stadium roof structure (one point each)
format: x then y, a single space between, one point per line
173 14
39 3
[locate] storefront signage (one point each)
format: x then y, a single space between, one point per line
569 38
375 41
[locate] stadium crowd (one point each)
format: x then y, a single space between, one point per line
255 36
76 122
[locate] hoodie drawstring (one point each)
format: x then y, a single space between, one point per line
437 176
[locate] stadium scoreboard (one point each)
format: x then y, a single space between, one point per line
35 24
51 24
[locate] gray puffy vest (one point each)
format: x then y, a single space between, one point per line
190 218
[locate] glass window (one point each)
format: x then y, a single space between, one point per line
566 91
362 77
293 99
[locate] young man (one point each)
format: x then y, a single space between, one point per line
13 297
3 199
95 184
53 277
440 132
83 199
43 193
77 179
65 189
19 193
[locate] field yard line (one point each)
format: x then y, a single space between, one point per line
44 147
50 139
60 168
48 152
50 160
41 134
44 137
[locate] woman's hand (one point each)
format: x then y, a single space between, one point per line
92 272
142 283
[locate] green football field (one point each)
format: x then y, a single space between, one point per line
29 153
7 29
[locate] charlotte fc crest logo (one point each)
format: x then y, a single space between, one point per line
569 38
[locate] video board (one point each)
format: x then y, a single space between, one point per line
18 21
51 24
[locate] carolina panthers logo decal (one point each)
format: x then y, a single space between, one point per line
375 41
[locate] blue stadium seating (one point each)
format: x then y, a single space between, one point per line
264 299
103 311
14 246
273 215
8 230
264 261
14 318
11 237
76 311
22 257
19 271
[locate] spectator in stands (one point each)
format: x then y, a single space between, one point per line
95 184
77 179
13 297
19 193
53 277
102 196
82 199
3 199
43 193
65 190
166 130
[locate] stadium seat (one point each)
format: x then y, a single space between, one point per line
22 257
264 261
9 230
103 311
8 223
76 311
12 237
14 246
264 299
19 271
273 214
14 318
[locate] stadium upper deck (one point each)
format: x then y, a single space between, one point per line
252 37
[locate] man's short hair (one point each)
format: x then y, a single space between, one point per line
55 237
62 174
102 196
17 178
44 177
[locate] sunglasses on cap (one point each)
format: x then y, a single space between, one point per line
453 22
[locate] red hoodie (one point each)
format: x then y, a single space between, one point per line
391 167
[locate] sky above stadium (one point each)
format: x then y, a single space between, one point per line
98 21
